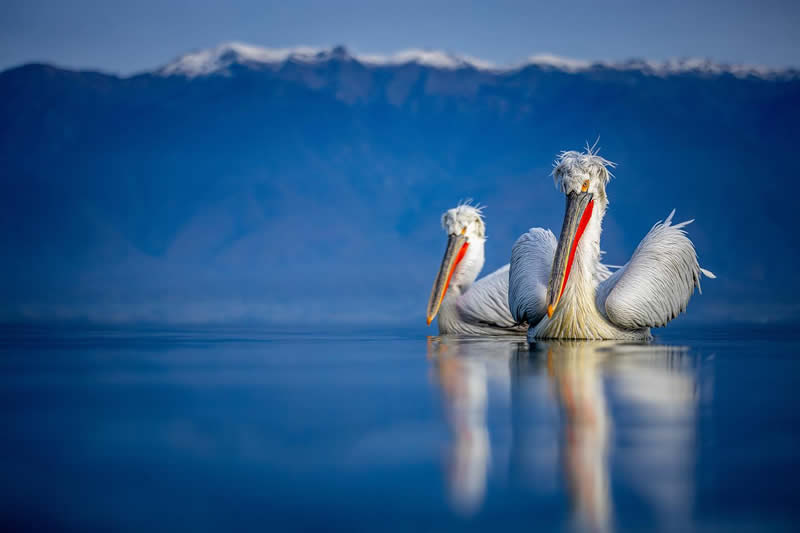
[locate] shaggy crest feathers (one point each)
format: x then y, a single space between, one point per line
572 167
648 291
474 307
465 215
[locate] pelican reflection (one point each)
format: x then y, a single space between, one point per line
573 370
585 416
462 370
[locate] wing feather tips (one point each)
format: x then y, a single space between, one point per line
659 280
708 273
529 271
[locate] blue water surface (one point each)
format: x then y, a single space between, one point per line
299 430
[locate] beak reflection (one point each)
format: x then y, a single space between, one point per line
499 398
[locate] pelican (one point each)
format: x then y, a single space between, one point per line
463 305
568 294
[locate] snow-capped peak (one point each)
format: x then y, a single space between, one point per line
557 62
218 60
429 58
660 68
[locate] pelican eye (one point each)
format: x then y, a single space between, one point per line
585 186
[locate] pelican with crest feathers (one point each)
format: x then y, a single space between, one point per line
569 294
463 305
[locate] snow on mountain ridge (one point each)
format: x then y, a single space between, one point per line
430 58
217 61
558 62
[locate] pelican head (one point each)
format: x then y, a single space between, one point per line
463 257
582 177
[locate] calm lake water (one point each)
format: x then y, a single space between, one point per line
274 431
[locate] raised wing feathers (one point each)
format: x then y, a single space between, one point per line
656 284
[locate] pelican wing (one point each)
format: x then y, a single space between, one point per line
531 262
656 284
486 301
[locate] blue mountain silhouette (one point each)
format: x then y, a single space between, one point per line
309 189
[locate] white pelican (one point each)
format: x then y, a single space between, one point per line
463 305
581 299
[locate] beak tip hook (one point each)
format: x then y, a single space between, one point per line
550 311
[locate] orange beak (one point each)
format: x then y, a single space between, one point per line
576 218
456 249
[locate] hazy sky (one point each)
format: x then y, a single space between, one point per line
137 35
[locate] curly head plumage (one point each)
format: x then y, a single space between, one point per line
572 168
466 218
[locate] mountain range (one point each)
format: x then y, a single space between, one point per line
304 186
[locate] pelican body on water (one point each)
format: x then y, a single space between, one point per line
563 291
463 305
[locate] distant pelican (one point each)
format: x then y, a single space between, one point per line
465 307
581 299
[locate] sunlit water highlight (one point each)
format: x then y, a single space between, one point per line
249 429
